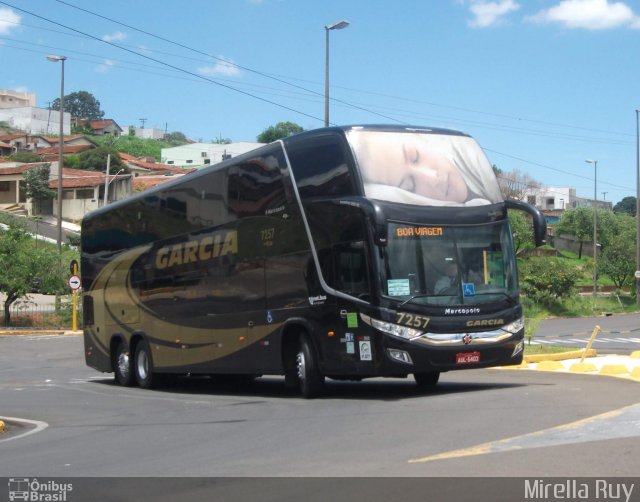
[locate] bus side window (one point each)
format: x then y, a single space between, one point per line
351 268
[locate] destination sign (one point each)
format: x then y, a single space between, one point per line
419 231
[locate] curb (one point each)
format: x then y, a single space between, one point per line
44 332
626 367
560 356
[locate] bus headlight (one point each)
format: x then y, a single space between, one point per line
515 326
392 329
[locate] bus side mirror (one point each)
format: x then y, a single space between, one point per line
539 222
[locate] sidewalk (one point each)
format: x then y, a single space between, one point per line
53 221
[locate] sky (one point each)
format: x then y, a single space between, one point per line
543 85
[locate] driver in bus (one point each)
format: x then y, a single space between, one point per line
447 283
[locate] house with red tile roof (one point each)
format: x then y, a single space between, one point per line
143 166
24 141
83 191
101 127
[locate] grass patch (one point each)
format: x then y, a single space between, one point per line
545 349
581 305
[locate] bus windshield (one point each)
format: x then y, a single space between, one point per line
440 265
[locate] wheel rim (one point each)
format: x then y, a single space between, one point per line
123 364
143 365
301 363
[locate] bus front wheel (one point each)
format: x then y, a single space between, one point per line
426 380
309 377
122 367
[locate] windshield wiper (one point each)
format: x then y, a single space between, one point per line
421 295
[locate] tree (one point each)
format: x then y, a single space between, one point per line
577 222
515 184
176 138
26 157
618 260
522 228
279 131
25 268
221 141
626 205
96 160
36 182
81 104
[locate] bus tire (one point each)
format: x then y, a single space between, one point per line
310 379
122 366
143 366
427 379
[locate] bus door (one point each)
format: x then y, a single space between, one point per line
351 276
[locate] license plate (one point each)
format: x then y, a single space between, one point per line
467 357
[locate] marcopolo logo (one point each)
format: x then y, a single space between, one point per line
38 491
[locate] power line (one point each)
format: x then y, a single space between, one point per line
310 93
287 82
163 63
368 108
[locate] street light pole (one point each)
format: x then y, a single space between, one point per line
335 26
107 183
62 59
637 210
595 224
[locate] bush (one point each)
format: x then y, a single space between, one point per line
546 280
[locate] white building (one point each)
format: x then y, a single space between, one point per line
148 133
13 99
559 199
35 120
204 154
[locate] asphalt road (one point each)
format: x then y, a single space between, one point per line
475 423
46 229
619 333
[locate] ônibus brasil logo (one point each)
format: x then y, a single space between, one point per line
38 491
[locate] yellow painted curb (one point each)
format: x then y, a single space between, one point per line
636 372
635 354
559 356
583 367
550 366
2 426
21 332
614 369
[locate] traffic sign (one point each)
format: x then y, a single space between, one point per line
637 274
74 282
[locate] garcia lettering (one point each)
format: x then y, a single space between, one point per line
485 322
203 249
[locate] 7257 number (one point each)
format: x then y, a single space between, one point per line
414 321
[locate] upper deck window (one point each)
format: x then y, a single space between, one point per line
321 167
424 168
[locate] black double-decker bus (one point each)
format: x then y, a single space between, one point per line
345 252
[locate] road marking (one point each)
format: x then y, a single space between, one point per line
616 424
38 426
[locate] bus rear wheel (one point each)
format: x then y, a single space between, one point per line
427 379
122 367
310 379
143 366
